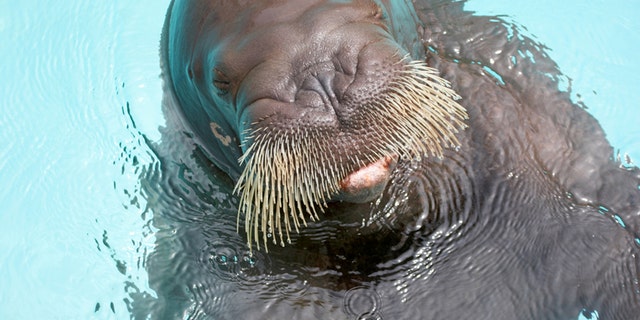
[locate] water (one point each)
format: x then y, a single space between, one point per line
80 86
69 69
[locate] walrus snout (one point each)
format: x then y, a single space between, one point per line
348 80
325 86
308 107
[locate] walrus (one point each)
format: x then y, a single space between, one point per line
405 138
347 102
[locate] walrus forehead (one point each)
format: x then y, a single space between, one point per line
284 31
267 45
316 13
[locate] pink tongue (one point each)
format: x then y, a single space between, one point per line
368 181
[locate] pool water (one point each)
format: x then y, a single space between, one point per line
80 96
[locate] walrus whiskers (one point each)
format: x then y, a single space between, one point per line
290 173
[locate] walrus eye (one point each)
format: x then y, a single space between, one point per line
379 14
379 17
221 82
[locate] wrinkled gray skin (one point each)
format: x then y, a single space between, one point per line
530 219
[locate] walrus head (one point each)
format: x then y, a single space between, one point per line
315 102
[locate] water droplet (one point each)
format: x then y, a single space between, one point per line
221 259
618 219
363 303
247 263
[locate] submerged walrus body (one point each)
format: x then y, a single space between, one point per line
398 161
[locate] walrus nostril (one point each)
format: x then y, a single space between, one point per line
313 94
326 80
318 90
333 93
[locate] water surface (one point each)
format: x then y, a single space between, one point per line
80 96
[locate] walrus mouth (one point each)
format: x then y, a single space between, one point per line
292 170
367 183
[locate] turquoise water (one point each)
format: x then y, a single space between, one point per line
80 87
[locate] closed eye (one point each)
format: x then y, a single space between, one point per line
221 82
